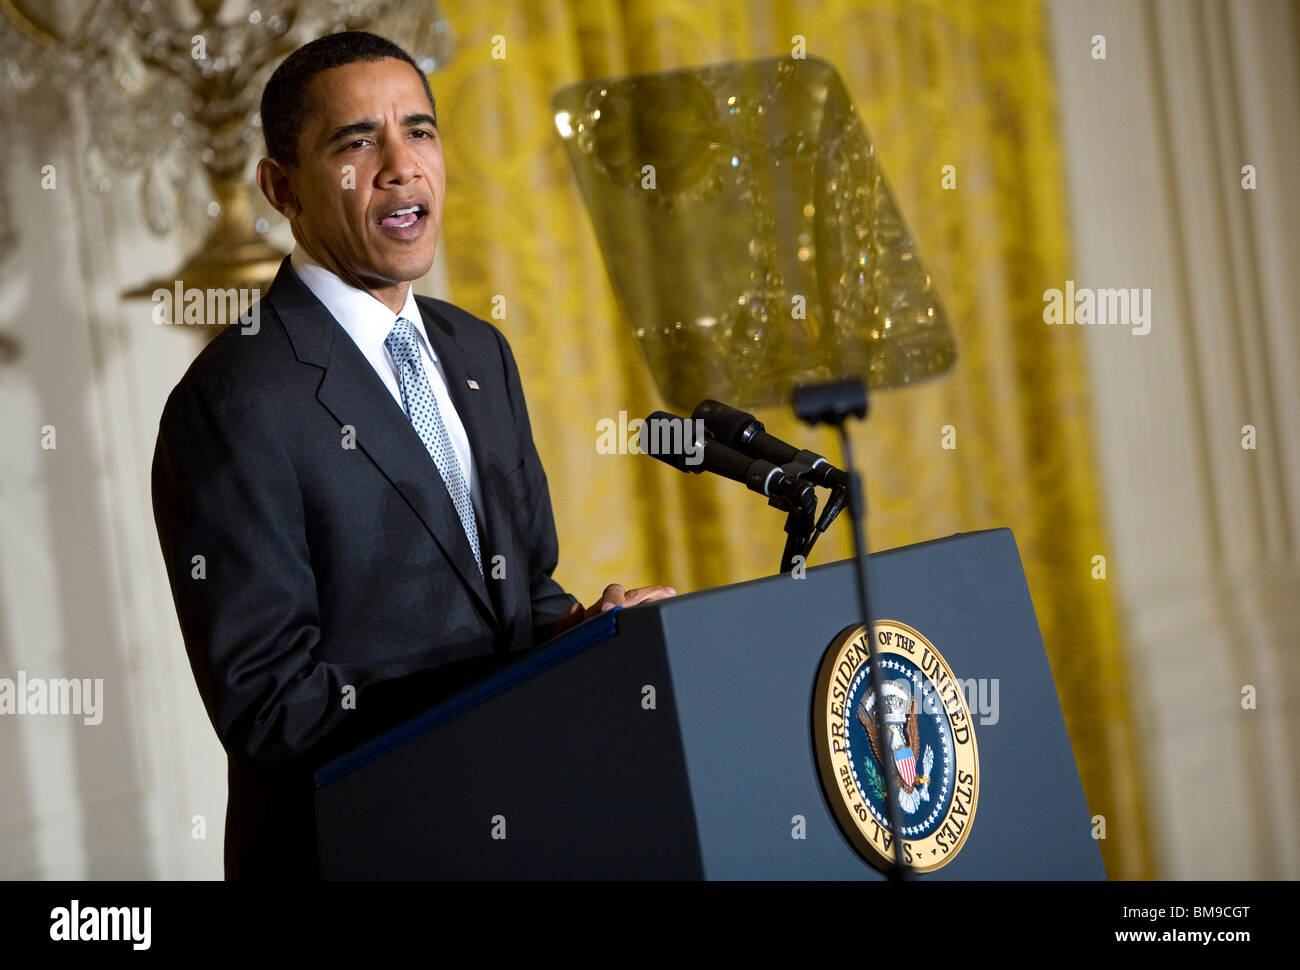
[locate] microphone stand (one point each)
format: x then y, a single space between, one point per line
802 532
799 524
834 505
834 403
800 535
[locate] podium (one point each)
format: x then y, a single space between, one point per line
675 740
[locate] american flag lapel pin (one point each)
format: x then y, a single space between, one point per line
473 384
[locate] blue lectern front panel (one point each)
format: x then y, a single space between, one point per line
746 722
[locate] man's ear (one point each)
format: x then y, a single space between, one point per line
273 180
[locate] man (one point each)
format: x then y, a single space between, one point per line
353 514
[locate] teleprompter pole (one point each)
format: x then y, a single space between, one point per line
834 403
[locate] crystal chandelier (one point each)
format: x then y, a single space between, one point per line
171 89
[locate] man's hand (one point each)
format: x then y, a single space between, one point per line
614 595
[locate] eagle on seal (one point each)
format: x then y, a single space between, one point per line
905 766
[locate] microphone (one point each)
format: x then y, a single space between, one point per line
744 432
688 446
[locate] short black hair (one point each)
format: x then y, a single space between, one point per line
285 101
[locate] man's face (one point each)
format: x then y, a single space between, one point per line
369 149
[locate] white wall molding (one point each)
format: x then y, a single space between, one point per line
1203 531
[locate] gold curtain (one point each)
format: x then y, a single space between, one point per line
959 83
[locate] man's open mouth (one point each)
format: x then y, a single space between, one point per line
404 218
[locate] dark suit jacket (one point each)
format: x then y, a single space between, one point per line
327 567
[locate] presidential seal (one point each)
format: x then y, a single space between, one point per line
919 729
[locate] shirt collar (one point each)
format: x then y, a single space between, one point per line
367 321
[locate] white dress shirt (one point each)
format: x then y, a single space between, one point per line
368 322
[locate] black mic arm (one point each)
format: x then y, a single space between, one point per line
745 433
688 446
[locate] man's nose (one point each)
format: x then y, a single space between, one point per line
399 162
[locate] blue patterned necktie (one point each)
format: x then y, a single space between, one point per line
422 409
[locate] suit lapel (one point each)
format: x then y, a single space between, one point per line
355 395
